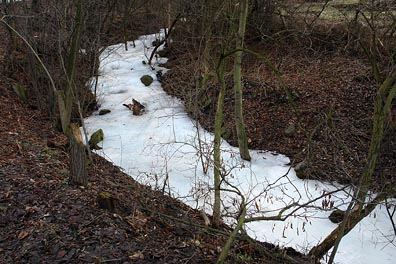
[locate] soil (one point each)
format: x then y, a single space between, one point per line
45 219
330 128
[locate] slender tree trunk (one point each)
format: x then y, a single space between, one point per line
234 233
217 143
352 220
65 97
124 22
206 26
340 234
169 31
240 126
382 105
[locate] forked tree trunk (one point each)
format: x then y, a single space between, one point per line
65 96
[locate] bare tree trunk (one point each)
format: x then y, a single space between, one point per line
77 156
240 126
125 16
352 220
234 233
65 97
217 143
361 208
206 26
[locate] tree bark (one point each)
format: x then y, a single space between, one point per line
352 220
217 143
361 208
77 156
240 126
65 97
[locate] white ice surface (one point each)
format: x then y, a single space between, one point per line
163 144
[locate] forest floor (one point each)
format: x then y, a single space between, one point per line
45 219
333 90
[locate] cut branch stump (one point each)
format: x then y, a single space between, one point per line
77 156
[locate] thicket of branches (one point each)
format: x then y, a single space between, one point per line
366 28
56 43
48 26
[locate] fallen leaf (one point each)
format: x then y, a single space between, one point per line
61 254
22 234
7 194
137 255
31 210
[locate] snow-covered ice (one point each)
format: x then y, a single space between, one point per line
162 148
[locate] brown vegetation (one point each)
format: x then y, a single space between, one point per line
333 89
45 218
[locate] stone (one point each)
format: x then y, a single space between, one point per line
20 90
156 42
146 80
95 139
290 130
302 165
301 175
299 169
104 111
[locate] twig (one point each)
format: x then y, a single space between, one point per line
164 40
241 220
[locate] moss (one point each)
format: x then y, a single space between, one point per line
20 90
104 195
95 139
290 130
104 111
106 201
146 80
